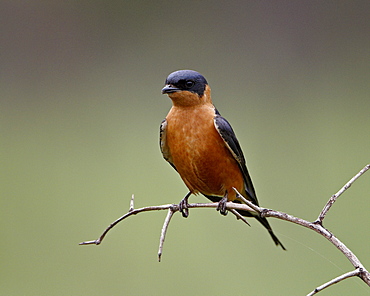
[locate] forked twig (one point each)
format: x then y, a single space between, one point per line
164 231
338 279
128 214
334 197
174 208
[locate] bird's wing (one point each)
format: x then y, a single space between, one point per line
163 143
227 134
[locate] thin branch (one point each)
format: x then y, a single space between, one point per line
238 216
130 213
132 207
164 231
364 275
230 206
247 202
338 279
316 226
339 193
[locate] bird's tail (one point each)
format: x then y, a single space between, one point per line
266 224
262 220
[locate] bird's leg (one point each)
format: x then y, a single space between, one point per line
183 205
222 205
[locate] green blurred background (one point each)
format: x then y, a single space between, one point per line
80 113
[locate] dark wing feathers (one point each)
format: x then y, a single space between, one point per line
227 134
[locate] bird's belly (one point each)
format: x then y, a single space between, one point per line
204 162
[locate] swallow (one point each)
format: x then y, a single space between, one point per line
202 147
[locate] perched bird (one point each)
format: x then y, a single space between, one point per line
202 147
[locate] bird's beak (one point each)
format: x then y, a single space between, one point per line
169 89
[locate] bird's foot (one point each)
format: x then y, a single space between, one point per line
184 206
222 206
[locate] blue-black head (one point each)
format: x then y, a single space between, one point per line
185 80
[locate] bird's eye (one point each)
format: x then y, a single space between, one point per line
189 83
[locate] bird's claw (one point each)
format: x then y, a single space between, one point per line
222 206
183 207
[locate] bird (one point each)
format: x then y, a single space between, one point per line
202 147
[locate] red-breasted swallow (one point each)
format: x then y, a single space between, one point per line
202 147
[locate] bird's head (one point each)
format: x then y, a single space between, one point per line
186 88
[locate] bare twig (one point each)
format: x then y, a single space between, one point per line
238 216
319 228
132 207
247 202
230 206
130 213
316 226
339 193
338 279
164 231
